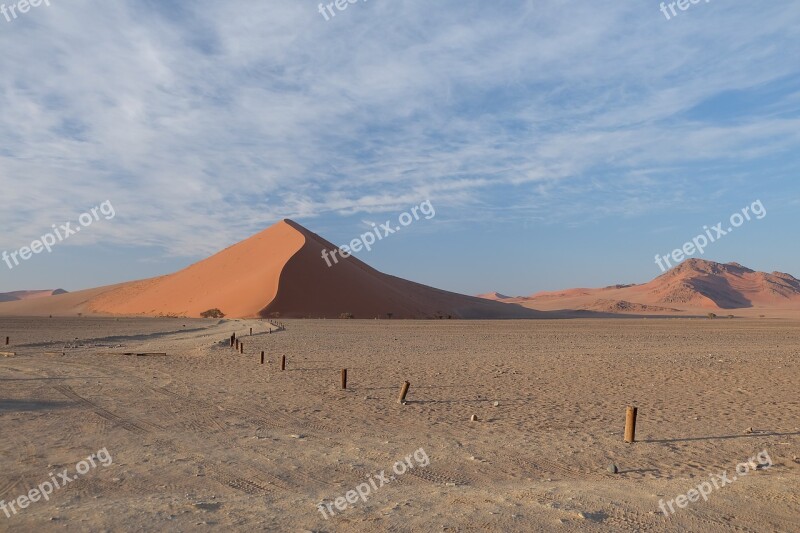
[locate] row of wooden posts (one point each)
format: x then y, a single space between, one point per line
238 345
278 325
630 413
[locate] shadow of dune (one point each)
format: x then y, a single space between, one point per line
725 297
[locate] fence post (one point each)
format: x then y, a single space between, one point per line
404 391
630 424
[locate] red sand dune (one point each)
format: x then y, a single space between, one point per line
694 285
279 270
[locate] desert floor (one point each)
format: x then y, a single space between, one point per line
208 439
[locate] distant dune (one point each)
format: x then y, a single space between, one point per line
28 295
278 272
496 296
695 285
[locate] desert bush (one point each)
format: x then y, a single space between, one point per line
712 315
212 313
346 315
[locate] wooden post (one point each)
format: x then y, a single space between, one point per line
630 424
241 347
262 358
270 330
251 332
232 338
283 362
404 391
8 339
344 378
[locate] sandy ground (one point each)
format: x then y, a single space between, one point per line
206 439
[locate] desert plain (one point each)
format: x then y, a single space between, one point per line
206 438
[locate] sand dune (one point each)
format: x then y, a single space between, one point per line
277 272
493 296
28 295
695 285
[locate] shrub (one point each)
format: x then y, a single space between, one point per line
212 313
712 315
346 315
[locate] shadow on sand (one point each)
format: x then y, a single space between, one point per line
756 434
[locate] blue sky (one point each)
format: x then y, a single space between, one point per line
562 143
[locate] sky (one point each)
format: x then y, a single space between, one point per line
562 144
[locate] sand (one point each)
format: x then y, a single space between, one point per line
694 288
206 439
277 271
